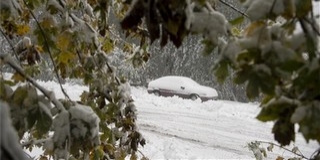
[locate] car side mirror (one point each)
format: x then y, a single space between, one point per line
182 87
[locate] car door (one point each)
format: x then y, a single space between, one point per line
183 89
170 87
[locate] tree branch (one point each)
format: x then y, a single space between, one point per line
306 31
234 8
315 29
8 59
11 45
49 51
271 143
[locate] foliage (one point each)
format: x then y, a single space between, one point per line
260 151
74 37
271 56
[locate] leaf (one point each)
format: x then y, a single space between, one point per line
303 7
295 149
253 27
32 117
108 45
152 21
17 77
134 17
208 47
44 122
241 76
298 114
252 89
274 110
5 91
164 37
133 156
19 95
221 71
270 148
97 154
310 125
22 29
237 20
66 57
43 158
283 131
64 41
279 158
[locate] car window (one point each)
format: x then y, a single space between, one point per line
191 82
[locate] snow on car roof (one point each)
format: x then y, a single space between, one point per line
185 79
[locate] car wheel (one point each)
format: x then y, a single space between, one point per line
156 93
194 97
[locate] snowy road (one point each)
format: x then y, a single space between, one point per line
183 129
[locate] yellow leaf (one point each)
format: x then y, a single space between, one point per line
280 158
128 48
48 22
17 77
108 45
253 27
64 41
65 57
39 48
22 29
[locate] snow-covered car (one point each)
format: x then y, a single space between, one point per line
181 86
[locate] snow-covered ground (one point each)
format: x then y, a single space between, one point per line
184 129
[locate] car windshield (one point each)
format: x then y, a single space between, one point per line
190 81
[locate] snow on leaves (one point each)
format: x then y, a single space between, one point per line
76 129
71 36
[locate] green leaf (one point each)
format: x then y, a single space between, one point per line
274 108
19 95
221 71
44 122
32 117
97 154
237 20
17 77
283 131
252 88
5 91
241 76
208 47
303 7
310 124
269 113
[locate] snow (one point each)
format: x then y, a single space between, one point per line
175 128
175 83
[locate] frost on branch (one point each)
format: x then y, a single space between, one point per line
211 24
258 9
75 129
84 122
9 140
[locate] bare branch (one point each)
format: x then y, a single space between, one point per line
234 8
313 25
11 45
49 51
271 143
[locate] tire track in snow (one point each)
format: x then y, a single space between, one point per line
155 130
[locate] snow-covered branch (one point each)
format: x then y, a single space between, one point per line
50 95
34 142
